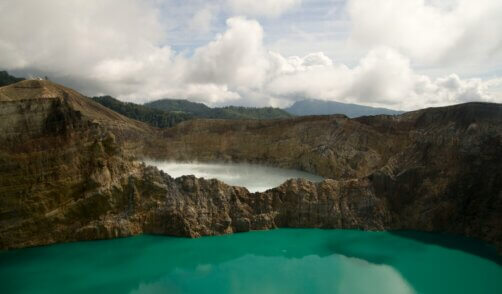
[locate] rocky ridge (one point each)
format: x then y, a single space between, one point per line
68 172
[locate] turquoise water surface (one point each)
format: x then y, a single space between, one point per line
278 261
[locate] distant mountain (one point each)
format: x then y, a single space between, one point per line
7 79
239 112
201 110
181 105
169 112
154 117
320 107
69 172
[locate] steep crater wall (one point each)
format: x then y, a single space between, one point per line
433 170
67 172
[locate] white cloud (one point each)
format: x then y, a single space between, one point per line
236 57
51 34
383 77
124 54
296 77
270 8
452 89
431 32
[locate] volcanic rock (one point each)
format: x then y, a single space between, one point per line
70 170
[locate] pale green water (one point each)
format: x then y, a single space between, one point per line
279 261
254 177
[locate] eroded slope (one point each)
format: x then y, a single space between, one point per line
67 172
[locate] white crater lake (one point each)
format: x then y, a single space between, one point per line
254 177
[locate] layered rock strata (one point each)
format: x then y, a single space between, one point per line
68 172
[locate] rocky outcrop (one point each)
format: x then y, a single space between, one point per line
437 169
59 157
153 202
67 172
197 207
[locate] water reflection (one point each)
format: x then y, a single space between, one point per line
256 178
280 261
259 274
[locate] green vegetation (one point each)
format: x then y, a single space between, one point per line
154 117
200 110
7 79
169 112
239 112
196 109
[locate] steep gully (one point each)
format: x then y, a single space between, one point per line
69 171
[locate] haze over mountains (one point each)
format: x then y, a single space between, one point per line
169 112
299 108
321 107
70 171
7 79
378 118
201 110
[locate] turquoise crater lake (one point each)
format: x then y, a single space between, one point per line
277 261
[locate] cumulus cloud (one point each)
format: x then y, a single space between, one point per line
452 89
75 40
383 77
431 32
236 57
270 8
53 33
125 54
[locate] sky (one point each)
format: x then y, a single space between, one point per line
399 54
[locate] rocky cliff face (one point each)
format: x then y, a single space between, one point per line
67 173
434 169
57 159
